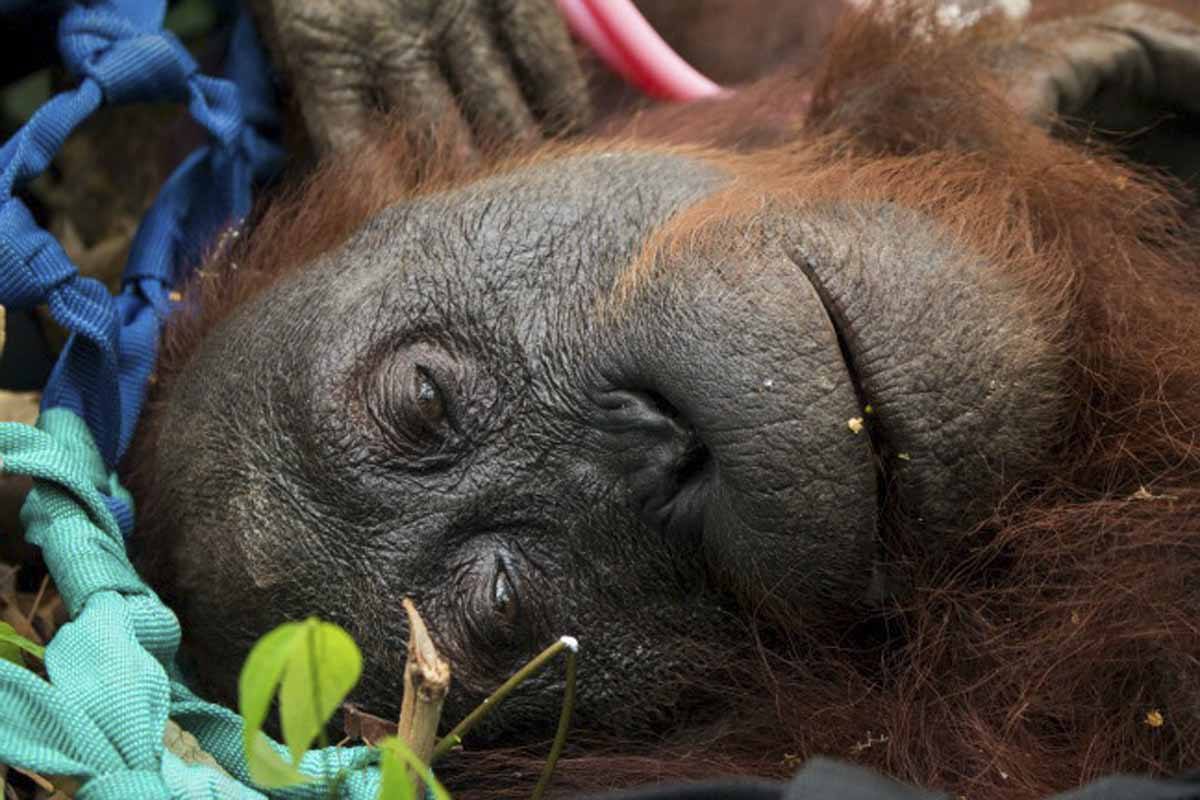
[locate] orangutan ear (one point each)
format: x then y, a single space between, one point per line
1129 75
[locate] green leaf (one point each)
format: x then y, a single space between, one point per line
316 684
393 773
395 759
260 675
12 653
313 665
267 767
12 643
262 672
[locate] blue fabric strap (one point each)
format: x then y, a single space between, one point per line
121 54
112 678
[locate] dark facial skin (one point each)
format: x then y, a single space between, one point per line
461 406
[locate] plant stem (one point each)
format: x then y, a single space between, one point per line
564 719
426 682
495 698
41 592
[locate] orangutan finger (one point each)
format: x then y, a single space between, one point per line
545 62
334 105
488 93
1080 68
419 96
1130 54
1172 45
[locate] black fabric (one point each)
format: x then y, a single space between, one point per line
826 779
1125 787
712 790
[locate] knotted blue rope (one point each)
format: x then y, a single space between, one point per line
121 55
113 681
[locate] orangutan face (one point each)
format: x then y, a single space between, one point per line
516 403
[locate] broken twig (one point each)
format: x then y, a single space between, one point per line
426 682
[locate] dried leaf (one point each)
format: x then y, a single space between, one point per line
359 724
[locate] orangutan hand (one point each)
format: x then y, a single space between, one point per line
495 69
1130 72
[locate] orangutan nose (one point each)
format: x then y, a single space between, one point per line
659 456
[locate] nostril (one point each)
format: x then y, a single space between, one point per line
674 502
664 406
640 411
661 456
693 461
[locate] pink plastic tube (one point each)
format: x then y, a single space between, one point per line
624 40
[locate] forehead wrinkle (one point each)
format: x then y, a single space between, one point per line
538 246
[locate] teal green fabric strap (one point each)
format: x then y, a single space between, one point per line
112 679
125 785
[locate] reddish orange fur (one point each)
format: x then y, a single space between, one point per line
1028 655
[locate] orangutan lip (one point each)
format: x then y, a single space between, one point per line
832 312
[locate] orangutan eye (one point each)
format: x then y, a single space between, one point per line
494 616
427 398
505 604
410 396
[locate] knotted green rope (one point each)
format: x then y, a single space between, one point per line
112 677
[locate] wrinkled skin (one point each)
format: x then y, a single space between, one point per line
476 432
499 68
481 402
